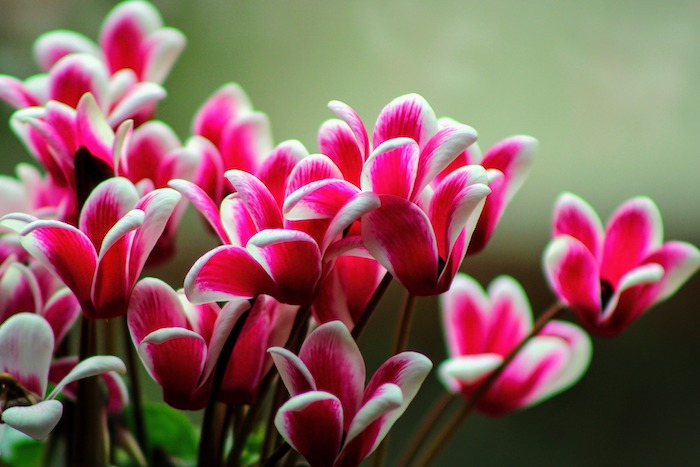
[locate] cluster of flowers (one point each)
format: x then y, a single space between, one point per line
307 241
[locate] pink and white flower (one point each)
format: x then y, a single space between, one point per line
102 259
481 330
332 418
180 343
611 276
26 347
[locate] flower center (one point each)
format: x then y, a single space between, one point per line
606 293
13 394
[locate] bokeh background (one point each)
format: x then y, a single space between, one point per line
611 90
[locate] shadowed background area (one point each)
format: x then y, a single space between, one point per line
610 91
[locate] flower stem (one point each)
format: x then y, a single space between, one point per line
469 405
135 389
371 306
211 442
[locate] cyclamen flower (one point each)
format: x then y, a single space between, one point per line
610 277
26 346
332 418
180 343
101 261
482 328
135 53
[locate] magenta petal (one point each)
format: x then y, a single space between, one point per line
162 48
19 289
203 203
26 346
61 311
337 141
276 169
294 373
356 207
320 199
258 200
513 157
572 273
66 251
407 116
335 361
391 169
350 117
154 305
680 261
107 203
439 151
74 75
246 141
314 168
15 93
465 316
631 234
51 46
574 217
395 228
510 316
281 252
94 132
225 105
312 423
225 273
140 98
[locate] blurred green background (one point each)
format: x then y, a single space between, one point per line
611 90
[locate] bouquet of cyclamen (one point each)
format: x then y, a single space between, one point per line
263 334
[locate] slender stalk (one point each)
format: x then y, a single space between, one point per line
210 444
270 432
277 456
89 443
135 389
371 306
426 426
469 405
400 343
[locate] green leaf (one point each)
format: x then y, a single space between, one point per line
169 431
18 450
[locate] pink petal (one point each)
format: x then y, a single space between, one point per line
391 169
312 423
513 157
680 261
465 315
356 207
439 151
227 272
36 421
320 199
406 116
161 50
633 232
245 143
203 203
370 424
51 46
572 273
258 200
15 93
335 361
154 305
314 168
224 106
393 229
281 252
510 316
225 320
574 217
158 206
26 346
107 203
140 98
350 117
76 74
94 132
19 290
123 33
338 142
466 372
277 168
175 358
67 252
294 373
61 311
149 145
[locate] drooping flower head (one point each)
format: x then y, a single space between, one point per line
483 327
611 276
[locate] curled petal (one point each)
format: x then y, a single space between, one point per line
407 116
258 200
576 218
338 142
312 423
225 105
320 199
246 141
51 46
295 375
467 370
91 366
350 117
278 167
76 74
314 168
35 421
162 48
154 305
391 169
203 203
465 316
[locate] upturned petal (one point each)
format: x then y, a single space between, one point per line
576 218
407 116
35 421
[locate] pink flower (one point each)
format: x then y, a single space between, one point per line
507 163
135 53
101 261
180 343
483 328
26 346
610 277
332 418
